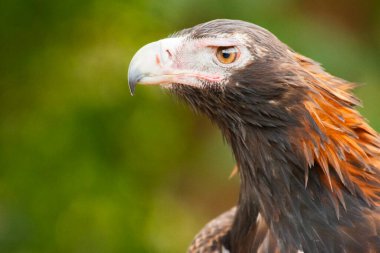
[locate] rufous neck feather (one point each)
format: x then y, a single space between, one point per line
338 139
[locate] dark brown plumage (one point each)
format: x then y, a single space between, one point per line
309 164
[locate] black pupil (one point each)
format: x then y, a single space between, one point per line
226 55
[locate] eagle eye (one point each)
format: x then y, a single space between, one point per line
227 55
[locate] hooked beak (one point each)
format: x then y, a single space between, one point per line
157 63
153 64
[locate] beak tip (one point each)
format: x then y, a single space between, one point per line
134 76
132 87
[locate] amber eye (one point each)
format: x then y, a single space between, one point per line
227 55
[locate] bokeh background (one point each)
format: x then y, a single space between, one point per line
85 167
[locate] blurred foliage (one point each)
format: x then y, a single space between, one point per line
85 167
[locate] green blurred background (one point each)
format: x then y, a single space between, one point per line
85 167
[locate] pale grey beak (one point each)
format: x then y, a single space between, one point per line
152 64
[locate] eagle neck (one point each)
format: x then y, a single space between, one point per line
269 180
273 188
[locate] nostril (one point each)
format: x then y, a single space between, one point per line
168 50
166 56
169 53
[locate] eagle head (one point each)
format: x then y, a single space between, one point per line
233 71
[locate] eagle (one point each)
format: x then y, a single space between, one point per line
308 162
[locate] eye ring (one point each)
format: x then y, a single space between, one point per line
227 55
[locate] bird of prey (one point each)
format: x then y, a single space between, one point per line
309 164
